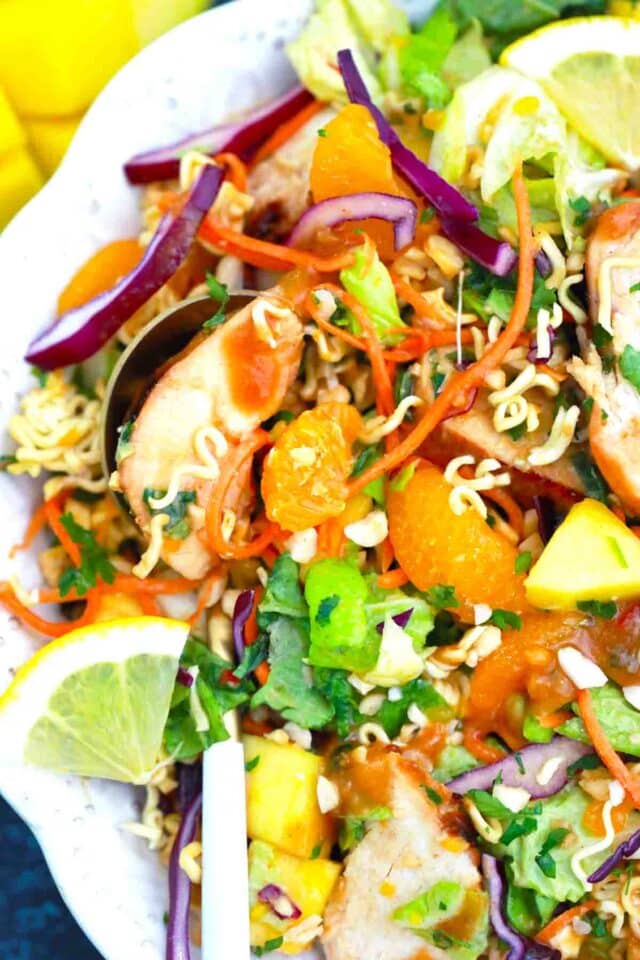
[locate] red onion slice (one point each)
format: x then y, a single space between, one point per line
520 947
521 769
241 613
81 332
184 678
242 138
496 255
445 199
400 211
281 904
622 852
178 942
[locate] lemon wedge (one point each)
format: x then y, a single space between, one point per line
590 67
95 701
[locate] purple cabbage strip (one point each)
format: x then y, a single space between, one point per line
178 942
402 619
622 852
495 255
189 783
81 332
520 947
241 613
547 517
446 200
543 264
400 211
184 678
271 894
520 769
243 138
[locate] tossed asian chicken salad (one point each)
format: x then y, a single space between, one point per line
382 504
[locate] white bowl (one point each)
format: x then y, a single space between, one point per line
219 62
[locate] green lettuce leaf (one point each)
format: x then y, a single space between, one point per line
336 592
335 687
181 738
467 58
452 761
508 19
313 53
526 910
421 58
283 594
371 284
619 720
289 690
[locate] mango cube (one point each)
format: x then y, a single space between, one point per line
282 802
19 180
307 884
49 140
591 556
55 57
113 606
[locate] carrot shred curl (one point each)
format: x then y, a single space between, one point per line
53 512
603 748
37 523
553 928
460 384
50 628
236 169
286 130
392 579
229 470
269 256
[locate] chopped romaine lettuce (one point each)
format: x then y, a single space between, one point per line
288 689
430 915
467 57
313 53
397 661
369 282
379 21
422 56
336 592
452 761
526 910
382 603
618 719
283 594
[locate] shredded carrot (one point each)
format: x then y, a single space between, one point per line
286 130
315 312
558 923
149 606
330 537
257 727
236 169
203 596
53 510
262 673
50 628
555 719
603 748
461 384
515 516
385 554
556 375
125 583
37 523
269 256
392 579
473 740
229 471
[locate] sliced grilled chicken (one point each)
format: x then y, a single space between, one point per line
280 183
612 270
231 380
397 860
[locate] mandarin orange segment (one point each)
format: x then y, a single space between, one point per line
100 272
434 545
304 481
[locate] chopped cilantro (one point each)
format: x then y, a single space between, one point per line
581 208
488 805
254 654
617 549
322 132
41 376
179 525
446 630
427 215
606 609
519 827
268 946
593 481
523 562
353 828
506 620
590 762
634 288
433 795
6 459
601 336
252 764
519 761
326 608
366 457
437 379
516 433
543 858
403 388
441 595
218 292
315 853
94 562
630 366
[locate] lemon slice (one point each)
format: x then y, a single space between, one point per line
95 701
590 66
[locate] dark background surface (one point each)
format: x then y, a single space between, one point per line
34 924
